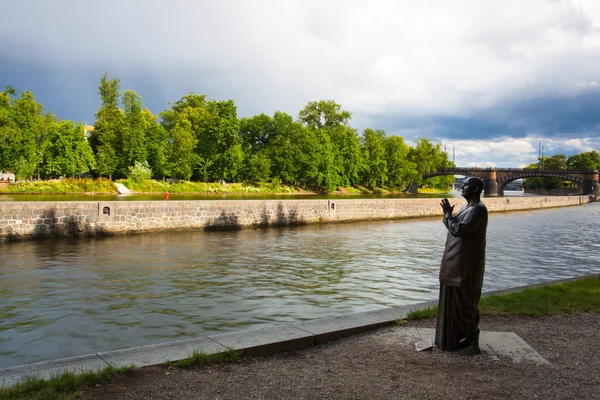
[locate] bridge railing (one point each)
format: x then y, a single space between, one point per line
568 171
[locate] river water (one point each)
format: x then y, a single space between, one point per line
78 296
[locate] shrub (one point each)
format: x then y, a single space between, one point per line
139 172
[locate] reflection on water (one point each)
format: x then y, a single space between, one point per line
76 296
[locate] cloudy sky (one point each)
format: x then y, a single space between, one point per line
489 79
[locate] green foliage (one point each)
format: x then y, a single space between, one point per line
66 152
584 161
157 144
106 140
427 158
258 168
287 149
181 157
133 135
202 139
324 114
60 386
21 129
375 171
139 172
401 171
555 162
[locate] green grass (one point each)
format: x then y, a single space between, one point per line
428 312
433 190
582 295
152 186
199 359
62 386
93 186
67 385
64 186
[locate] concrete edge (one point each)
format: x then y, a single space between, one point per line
254 342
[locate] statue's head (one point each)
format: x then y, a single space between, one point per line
472 188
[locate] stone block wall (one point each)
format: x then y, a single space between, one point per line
31 219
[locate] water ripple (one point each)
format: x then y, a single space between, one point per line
76 296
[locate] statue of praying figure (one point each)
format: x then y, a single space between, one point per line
461 273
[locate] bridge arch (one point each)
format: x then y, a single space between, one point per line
496 179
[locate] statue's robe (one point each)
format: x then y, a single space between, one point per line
461 277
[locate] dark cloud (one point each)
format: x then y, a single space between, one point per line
560 117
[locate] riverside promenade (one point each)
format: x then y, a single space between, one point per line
370 365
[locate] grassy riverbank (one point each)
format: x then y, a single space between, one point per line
105 186
578 296
63 186
582 295
183 187
60 387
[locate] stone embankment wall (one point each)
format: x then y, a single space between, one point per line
31 219
556 192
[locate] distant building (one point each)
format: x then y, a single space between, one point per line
88 130
7 176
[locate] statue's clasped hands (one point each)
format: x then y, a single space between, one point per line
446 207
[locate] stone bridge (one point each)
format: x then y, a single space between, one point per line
495 179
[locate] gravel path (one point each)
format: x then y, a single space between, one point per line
377 365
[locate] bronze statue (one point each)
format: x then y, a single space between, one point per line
461 272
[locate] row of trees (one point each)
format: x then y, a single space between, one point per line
578 162
202 139
34 143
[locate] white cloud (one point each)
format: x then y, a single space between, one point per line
510 152
379 58
373 57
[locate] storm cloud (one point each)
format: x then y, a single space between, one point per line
489 78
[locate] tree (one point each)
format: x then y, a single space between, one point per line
582 161
219 140
182 159
133 138
284 148
157 142
401 171
24 130
183 124
214 126
258 168
338 158
106 141
427 158
193 106
555 162
324 114
347 155
10 134
67 152
375 165
256 133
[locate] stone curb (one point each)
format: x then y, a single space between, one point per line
255 342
